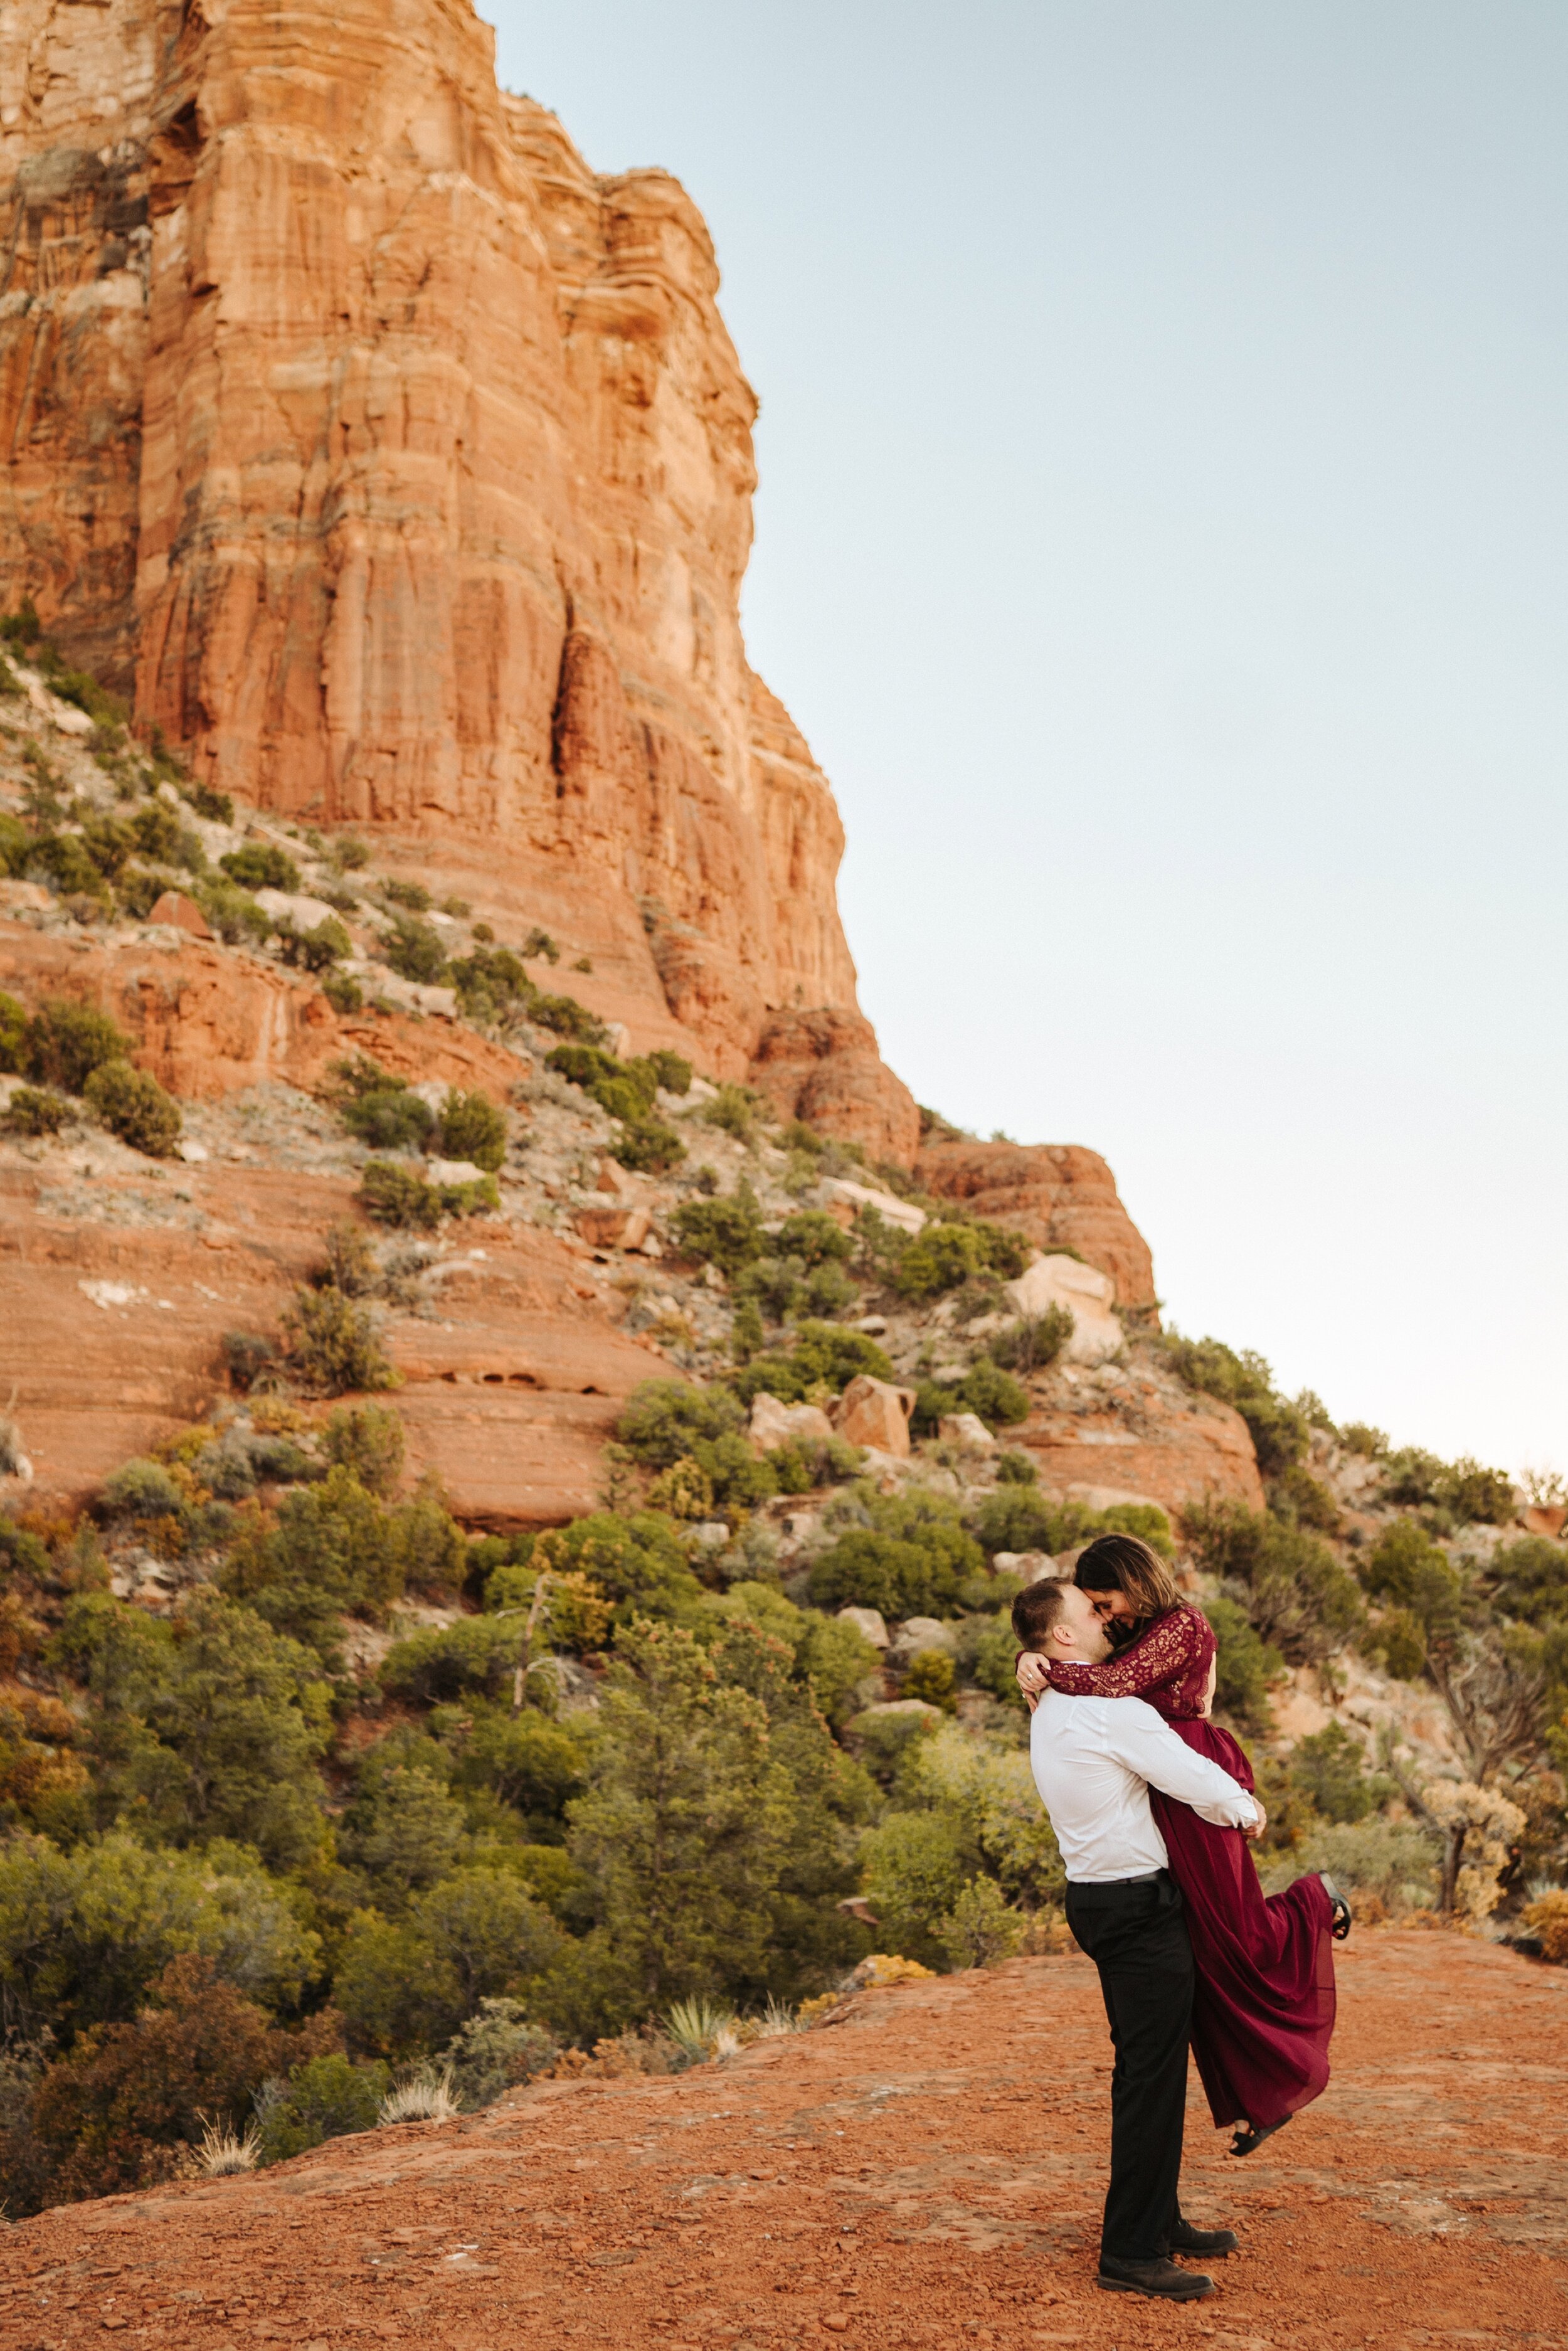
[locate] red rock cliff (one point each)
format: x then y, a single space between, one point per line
403 467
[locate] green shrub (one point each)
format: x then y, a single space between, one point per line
666 1419
478 1653
1293 1589
368 1440
64 1043
944 1255
231 912
342 992
326 2099
637 1561
316 950
133 1106
825 1354
259 865
725 1232
108 841
1397 1864
986 1390
933 1675
673 1070
144 1489
473 1128
1470 1494
1279 1429
332 1345
1330 1766
35 1111
1034 1342
65 864
1017 1469
1528 1579
398 1195
1360 1436
414 896
14 1042
1406 1570
215 806
736 1109
648 1146
336 1549
415 950
1247 1669
911 1560
389 1118
496 2050
478 1935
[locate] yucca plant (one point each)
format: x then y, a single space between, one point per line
696 2025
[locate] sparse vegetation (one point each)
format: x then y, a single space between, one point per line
258 865
133 1106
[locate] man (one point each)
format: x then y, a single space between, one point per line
1093 1759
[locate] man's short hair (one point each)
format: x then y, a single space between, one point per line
1036 1610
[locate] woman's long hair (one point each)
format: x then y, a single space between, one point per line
1126 1563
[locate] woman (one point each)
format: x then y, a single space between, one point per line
1263 2003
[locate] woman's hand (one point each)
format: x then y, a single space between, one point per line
1033 1676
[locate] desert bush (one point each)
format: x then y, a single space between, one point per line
986 1390
637 1562
473 1128
932 1676
1279 1429
1406 1568
326 2097
108 841
118 2112
1032 1342
664 1420
132 1106
409 1986
334 1550
83 1934
1468 1493
1304 1500
725 1232
368 1441
332 1345
34 1110
1528 1579
1247 1667
573 1614
1294 1590
1360 1436
13 1035
390 1117
248 1358
314 950
478 1653
496 2050
944 1255
1330 1767
415 950
258 865
63 1044
1395 1864
342 992
825 1355
911 1560
231 912
399 1195
982 1927
1547 1919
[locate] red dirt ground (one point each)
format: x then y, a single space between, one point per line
928 2172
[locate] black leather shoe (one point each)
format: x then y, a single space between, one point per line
1212 2244
1339 1909
1162 2280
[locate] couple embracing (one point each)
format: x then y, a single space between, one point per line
1153 1812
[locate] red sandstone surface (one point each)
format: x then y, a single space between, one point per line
928 2172
403 467
1057 1193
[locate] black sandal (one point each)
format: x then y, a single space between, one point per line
1339 1909
1248 2141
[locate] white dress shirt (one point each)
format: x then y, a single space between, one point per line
1094 1761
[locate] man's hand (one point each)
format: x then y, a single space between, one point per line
1033 1676
1258 1825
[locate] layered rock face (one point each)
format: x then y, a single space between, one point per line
403 470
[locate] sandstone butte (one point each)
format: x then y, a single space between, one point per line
399 469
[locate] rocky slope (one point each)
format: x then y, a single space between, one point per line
927 2169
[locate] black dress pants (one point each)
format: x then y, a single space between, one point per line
1136 1937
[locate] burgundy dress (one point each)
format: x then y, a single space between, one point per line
1263 2002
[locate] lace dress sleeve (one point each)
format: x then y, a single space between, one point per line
1167 1665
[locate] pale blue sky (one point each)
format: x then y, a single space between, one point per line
1161 542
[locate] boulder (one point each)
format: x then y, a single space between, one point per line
869 1623
1032 1565
967 1429
919 1633
837 1192
454 1171
623 1228
1097 1335
182 913
294 906
774 1424
875 1413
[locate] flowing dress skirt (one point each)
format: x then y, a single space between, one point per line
1263 2006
